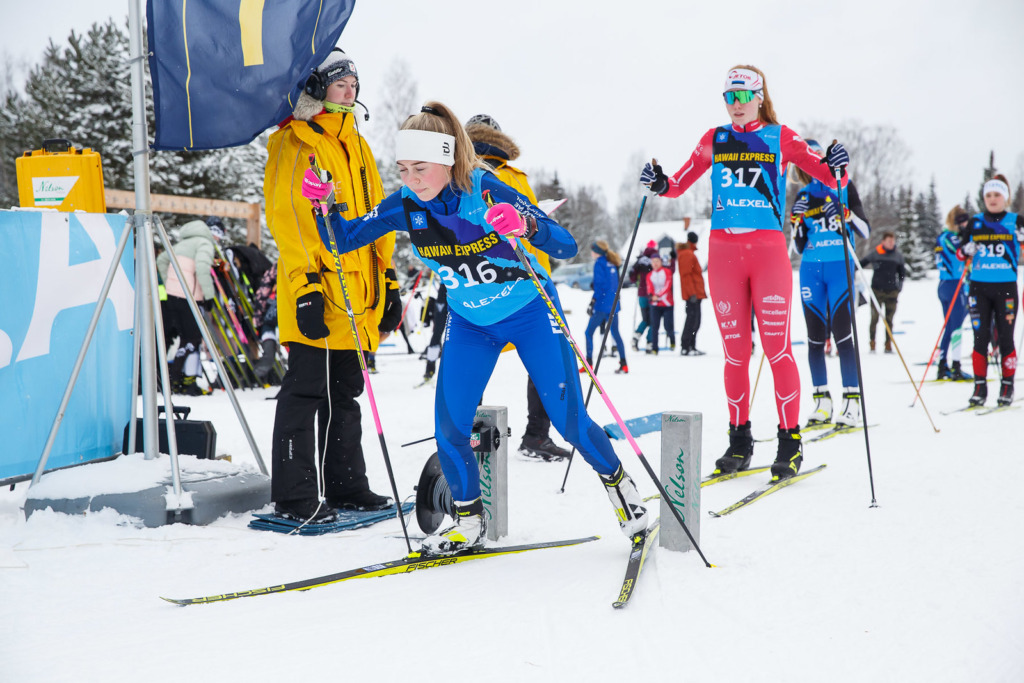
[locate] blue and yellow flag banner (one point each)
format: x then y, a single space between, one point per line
226 70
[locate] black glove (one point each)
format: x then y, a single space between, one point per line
207 304
836 156
392 304
590 308
654 177
309 315
800 206
831 212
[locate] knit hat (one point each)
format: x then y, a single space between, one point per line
483 120
595 247
652 245
336 66
691 237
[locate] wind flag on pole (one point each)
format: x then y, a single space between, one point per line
226 70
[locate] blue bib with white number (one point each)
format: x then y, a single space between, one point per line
824 240
995 259
748 179
486 282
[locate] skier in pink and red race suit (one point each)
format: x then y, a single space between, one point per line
748 263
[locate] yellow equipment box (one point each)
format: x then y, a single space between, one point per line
58 176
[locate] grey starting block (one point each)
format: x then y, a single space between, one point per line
490 441
142 489
680 474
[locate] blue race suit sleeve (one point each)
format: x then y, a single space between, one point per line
551 238
386 217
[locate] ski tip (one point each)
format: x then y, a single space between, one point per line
173 601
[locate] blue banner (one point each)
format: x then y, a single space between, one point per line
54 268
226 70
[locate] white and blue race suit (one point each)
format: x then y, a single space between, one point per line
492 301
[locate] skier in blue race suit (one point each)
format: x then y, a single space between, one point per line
492 301
825 291
992 240
951 270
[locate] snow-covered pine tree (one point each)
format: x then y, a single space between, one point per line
930 217
916 251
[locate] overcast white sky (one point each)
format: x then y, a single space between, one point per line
582 85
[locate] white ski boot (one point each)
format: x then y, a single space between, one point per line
467 532
629 506
850 416
822 407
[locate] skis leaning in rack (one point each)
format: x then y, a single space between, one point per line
766 490
643 542
413 562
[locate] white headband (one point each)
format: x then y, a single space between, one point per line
425 145
996 185
744 79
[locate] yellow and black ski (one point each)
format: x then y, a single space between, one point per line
766 490
413 562
643 542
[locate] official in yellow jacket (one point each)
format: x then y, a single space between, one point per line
497 149
312 319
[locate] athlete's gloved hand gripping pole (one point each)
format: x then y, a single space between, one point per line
839 170
318 188
509 224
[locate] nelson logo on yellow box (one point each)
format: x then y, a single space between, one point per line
52 191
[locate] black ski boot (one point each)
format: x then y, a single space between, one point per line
363 500
943 370
790 454
541 448
980 393
956 373
1005 392
741 449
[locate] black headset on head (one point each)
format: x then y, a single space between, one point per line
316 84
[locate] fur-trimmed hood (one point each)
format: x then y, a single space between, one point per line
481 134
306 107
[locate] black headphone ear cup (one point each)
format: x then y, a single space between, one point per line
315 87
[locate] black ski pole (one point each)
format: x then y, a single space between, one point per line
604 339
852 296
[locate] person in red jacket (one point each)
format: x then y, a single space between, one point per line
691 291
659 290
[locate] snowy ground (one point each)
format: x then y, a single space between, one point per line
810 585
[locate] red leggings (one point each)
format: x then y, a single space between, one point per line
753 270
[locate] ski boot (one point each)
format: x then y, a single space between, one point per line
652 349
366 501
1005 392
943 369
956 373
850 415
872 346
629 507
189 387
467 532
311 511
671 344
822 408
741 449
541 448
790 454
623 368
980 393
636 341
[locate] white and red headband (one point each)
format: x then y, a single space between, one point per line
744 79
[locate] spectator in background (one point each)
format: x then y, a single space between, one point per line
691 290
638 275
887 282
606 285
659 289
195 253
